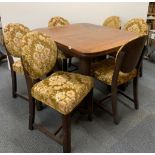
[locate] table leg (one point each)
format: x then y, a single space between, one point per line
85 66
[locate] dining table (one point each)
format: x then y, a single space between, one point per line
87 41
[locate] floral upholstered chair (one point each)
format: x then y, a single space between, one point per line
118 71
13 34
62 57
139 26
61 91
113 22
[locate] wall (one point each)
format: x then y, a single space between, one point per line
37 14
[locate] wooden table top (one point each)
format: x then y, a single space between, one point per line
88 39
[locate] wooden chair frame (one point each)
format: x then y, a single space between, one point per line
114 87
14 77
66 119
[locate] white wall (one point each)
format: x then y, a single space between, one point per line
36 15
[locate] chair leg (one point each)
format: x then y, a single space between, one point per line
70 62
64 64
31 112
66 133
135 92
14 84
141 70
90 105
114 105
39 105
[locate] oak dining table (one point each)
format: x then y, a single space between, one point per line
87 41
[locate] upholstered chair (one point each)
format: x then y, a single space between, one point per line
139 26
13 34
61 91
115 72
113 22
58 21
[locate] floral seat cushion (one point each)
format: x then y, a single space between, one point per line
62 91
17 66
103 71
62 55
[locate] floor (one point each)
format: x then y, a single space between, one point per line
135 133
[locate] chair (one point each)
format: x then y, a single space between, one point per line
62 57
2 55
61 91
113 22
13 34
118 71
139 26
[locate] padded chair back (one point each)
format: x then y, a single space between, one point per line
39 54
132 54
113 22
57 22
137 25
13 34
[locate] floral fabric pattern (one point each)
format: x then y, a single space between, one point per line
58 22
104 70
62 91
39 53
18 67
13 34
137 25
113 22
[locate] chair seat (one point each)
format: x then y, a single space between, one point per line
103 71
62 91
17 67
62 55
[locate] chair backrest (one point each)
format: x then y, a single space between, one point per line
39 54
137 25
132 51
13 34
57 22
113 22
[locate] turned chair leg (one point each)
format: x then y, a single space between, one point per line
31 112
66 133
90 105
135 92
141 70
39 105
14 84
64 64
114 105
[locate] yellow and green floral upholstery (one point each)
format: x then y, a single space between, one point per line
39 53
18 67
137 25
104 70
13 34
113 22
63 91
57 22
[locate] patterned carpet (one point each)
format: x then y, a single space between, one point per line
135 133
